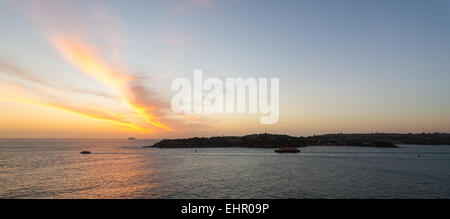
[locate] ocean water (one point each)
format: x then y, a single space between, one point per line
54 168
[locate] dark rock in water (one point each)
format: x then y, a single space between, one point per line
85 152
384 144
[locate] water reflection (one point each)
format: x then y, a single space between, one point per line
123 169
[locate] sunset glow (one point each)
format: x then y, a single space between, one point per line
106 67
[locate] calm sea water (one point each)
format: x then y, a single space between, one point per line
54 168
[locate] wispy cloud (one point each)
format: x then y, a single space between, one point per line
41 97
94 49
85 57
75 43
13 71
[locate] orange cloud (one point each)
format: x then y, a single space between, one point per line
76 43
85 57
104 115
14 93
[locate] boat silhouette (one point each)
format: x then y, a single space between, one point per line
287 150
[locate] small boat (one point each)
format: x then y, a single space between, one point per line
131 138
287 150
85 152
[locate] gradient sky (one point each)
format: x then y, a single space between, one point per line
104 68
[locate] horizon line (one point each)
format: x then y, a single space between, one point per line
335 133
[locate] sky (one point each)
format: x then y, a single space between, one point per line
103 69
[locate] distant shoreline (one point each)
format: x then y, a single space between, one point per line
378 140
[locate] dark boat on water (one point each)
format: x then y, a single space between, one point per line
85 152
287 150
131 138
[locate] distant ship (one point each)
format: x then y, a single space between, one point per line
287 150
131 138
